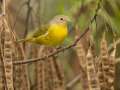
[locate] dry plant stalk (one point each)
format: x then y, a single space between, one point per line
40 66
6 52
41 82
10 52
20 76
111 74
32 52
104 64
9 55
93 81
57 74
81 55
82 62
2 74
21 81
49 72
100 76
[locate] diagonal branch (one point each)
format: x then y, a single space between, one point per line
64 48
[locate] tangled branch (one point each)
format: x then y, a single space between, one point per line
64 48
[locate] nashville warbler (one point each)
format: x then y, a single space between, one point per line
51 34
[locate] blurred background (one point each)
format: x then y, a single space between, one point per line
25 15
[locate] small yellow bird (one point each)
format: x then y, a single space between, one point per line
52 34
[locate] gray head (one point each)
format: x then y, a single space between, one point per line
60 19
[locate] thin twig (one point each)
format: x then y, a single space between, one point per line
27 17
2 21
72 82
64 48
27 20
4 7
76 79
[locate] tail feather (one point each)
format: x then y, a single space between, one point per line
22 40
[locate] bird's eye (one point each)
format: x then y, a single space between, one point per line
61 18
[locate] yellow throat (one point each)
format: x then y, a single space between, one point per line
55 35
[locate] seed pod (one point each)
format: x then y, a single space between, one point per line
7 56
81 55
82 62
104 63
2 76
111 74
40 67
91 72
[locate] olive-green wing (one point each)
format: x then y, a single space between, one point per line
38 32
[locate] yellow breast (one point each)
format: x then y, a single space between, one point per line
58 31
55 35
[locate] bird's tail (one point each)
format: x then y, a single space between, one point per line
22 40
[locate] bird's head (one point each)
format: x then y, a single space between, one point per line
62 20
